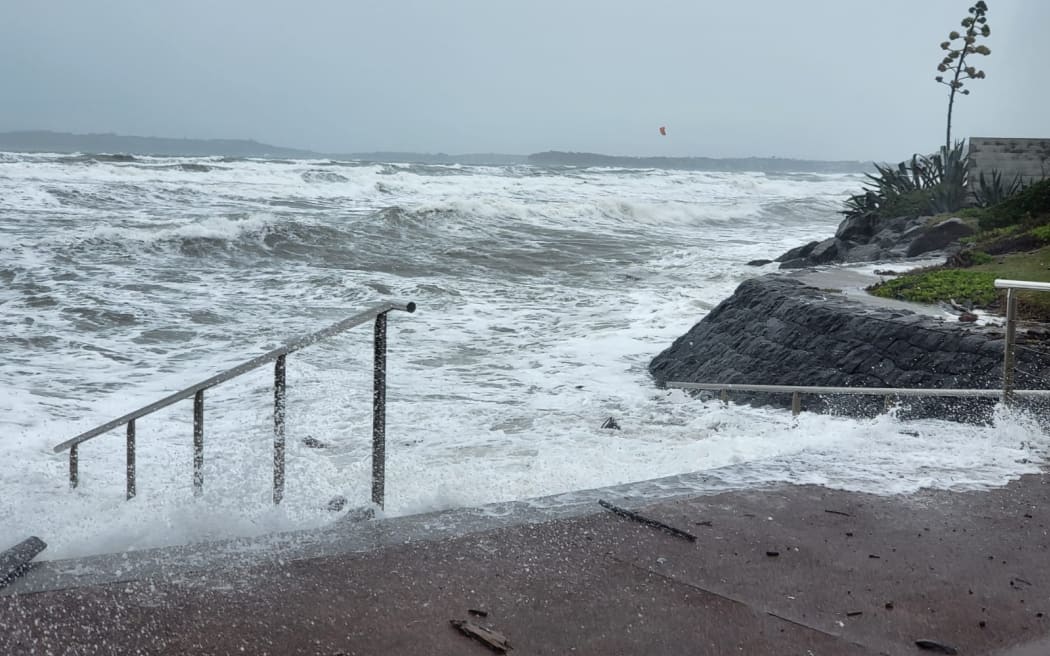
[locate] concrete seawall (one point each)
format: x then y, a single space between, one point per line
1025 159
779 330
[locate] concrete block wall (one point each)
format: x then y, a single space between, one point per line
1028 158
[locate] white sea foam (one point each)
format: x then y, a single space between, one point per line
542 296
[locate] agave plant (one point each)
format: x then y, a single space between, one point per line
926 183
950 191
994 190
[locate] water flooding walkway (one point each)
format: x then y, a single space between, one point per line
779 570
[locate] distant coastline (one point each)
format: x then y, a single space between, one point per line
766 164
45 141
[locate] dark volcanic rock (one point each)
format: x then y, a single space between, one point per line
865 253
868 239
796 263
759 262
857 228
799 252
826 251
939 236
776 330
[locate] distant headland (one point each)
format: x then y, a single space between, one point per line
45 141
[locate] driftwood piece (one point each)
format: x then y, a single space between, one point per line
935 646
623 512
493 640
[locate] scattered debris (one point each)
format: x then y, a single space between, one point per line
623 512
360 514
478 613
704 522
336 503
936 647
982 624
854 613
15 561
874 556
838 512
312 442
611 424
889 605
772 554
495 641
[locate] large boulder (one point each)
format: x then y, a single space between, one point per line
865 253
829 250
797 253
939 237
796 263
857 228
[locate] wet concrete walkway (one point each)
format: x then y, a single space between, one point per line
782 570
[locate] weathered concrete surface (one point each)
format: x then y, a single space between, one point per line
1028 159
777 330
853 574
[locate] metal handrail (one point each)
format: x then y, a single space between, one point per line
797 390
277 355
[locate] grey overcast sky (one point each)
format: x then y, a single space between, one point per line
837 79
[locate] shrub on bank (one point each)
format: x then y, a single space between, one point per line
1029 206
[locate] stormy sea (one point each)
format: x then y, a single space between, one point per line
542 295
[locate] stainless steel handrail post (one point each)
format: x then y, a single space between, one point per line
379 413
278 428
131 460
198 443
74 473
1009 346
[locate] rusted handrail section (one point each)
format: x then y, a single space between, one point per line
278 357
889 393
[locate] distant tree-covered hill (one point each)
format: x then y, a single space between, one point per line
44 141
764 164
470 159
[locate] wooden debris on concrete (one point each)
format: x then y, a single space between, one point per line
935 646
623 512
493 640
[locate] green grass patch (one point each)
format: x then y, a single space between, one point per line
1042 233
931 286
1033 266
976 284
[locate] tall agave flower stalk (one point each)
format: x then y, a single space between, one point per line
954 62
